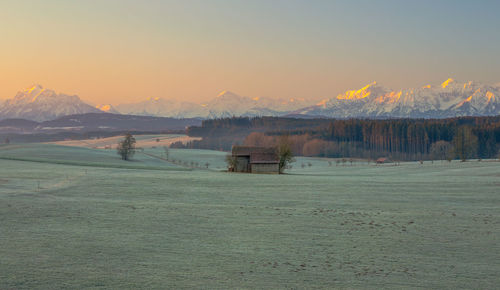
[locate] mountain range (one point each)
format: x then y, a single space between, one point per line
39 104
449 99
225 104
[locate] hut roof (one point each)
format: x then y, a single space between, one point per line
270 158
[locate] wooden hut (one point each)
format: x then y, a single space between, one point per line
255 159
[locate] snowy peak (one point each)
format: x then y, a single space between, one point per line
39 94
224 104
30 94
155 106
40 104
490 96
438 100
228 104
449 99
34 91
107 108
227 94
362 93
227 97
447 82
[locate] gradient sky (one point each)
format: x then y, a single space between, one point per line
123 51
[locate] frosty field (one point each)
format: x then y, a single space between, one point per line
82 218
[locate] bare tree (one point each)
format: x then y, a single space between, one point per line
285 153
165 148
232 162
126 147
441 150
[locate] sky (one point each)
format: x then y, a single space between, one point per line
121 51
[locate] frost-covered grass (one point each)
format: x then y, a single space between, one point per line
70 155
214 159
361 226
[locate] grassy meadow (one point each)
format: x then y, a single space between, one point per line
75 217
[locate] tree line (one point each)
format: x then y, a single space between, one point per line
399 139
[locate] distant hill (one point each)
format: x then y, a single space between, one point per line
116 122
97 122
17 126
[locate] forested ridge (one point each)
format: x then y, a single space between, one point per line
399 139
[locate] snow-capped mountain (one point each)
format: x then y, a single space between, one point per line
107 108
226 104
450 99
162 108
40 104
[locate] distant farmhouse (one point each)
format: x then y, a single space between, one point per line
255 159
